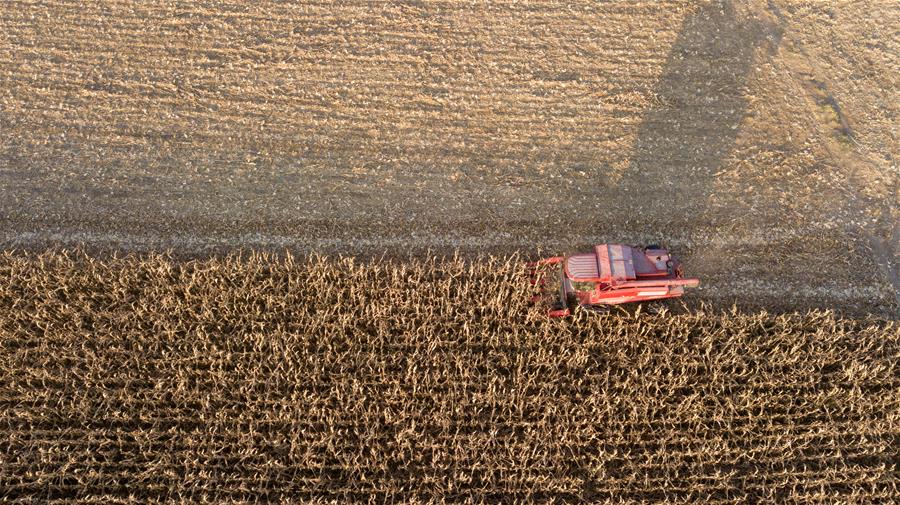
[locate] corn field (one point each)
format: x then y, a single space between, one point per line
315 380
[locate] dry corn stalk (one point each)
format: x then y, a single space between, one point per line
335 380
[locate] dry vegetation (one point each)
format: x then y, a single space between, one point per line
756 138
314 380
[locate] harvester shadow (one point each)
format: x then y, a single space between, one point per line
699 105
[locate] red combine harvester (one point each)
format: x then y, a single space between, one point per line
610 275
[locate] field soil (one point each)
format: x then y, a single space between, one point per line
238 380
757 139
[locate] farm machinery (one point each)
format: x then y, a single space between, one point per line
611 274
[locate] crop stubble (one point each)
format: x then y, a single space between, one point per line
755 137
238 379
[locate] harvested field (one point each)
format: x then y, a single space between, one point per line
312 380
757 138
